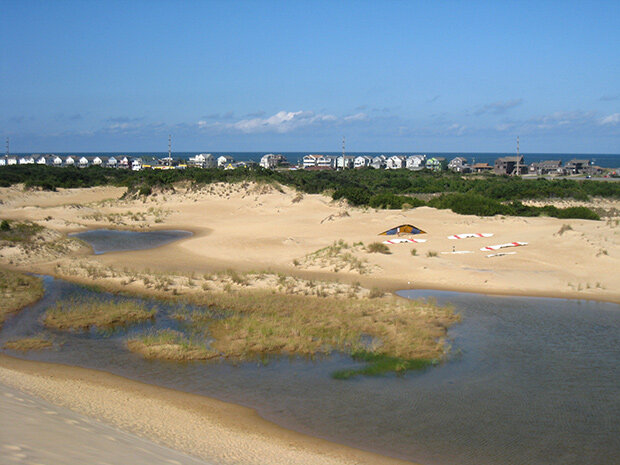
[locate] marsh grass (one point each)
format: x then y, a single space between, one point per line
38 342
84 313
16 291
167 344
380 364
340 255
261 323
19 232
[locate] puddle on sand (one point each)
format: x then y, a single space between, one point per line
111 240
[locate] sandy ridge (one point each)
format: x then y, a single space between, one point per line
204 427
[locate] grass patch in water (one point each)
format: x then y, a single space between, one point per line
380 364
167 344
16 291
84 313
28 343
260 323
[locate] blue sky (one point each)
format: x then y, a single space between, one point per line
298 75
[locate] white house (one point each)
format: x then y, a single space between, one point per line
28 160
202 160
112 162
378 162
3 161
57 161
124 162
83 161
11 161
415 162
310 160
42 160
362 161
344 163
69 161
136 165
271 161
224 160
396 162
326 162
97 161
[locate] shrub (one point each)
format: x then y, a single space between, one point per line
5 226
378 247
431 253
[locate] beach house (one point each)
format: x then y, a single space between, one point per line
415 162
508 165
310 161
576 166
224 160
271 161
459 165
112 162
379 162
362 161
436 164
83 162
344 162
396 162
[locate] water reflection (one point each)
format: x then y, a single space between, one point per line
534 381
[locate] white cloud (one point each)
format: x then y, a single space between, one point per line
611 119
357 117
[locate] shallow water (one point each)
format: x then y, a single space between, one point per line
111 240
531 380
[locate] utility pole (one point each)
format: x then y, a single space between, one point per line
169 149
7 147
344 158
518 170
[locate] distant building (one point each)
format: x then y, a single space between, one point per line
459 165
508 165
362 161
344 162
396 162
69 161
57 161
136 165
576 166
415 162
11 161
42 160
481 168
112 162
436 164
202 160
83 162
379 162
310 161
546 167
271 161
224 160
326 162
124 162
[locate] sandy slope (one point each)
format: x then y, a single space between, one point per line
256 228
212 430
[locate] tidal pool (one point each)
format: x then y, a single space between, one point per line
112 240
531 380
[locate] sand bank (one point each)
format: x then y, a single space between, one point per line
248 227
205 428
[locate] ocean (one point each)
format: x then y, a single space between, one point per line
603 160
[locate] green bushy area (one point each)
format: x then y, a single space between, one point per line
393 189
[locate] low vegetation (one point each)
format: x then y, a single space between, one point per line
260 323
167 344
378 247
16 291
12 231
340 255
394 189
84 313
26 344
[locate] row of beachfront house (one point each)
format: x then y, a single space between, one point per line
510 165
57 160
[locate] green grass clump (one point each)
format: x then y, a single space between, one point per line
167 344
18 232
84 313
380 364
16 291
378 247
28 343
